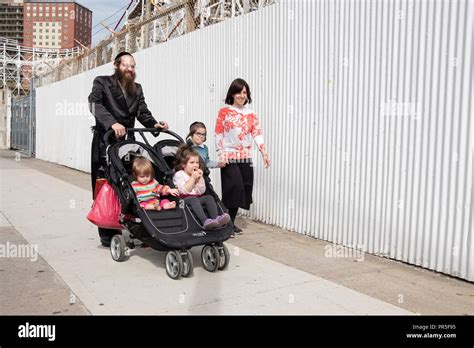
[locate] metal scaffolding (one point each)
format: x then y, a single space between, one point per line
20 64
208 12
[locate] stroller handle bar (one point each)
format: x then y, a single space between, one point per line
155 131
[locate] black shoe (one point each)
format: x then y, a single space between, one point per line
105 242
237 230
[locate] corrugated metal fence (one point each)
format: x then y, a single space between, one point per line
366 109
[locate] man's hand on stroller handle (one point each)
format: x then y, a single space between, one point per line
119 130
162 124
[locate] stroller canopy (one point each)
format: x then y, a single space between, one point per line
135 150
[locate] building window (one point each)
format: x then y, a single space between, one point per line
41 30
47 24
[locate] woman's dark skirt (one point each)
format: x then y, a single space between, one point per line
237 184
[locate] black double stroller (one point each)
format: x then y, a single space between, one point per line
176 230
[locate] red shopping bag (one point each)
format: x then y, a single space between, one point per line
98 185
106 208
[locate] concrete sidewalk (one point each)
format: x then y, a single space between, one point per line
271 271
29 285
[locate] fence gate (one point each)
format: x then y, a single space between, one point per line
23 124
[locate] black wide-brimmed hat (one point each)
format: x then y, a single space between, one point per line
121 54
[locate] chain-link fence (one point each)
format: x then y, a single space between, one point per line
163 23
23 124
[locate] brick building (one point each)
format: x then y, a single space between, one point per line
56 24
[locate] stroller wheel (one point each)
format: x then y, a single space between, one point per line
210 258
118 248
174 264
224 257
188 264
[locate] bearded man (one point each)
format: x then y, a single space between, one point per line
115 102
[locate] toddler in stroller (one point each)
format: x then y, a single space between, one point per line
147 189
190 183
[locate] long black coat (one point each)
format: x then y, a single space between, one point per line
108 105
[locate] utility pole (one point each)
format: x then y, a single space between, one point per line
145 34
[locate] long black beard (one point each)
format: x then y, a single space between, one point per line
127 83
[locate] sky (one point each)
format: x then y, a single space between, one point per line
109 11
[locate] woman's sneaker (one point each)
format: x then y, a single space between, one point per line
210 224
223 219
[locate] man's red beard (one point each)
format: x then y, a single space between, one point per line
127 80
